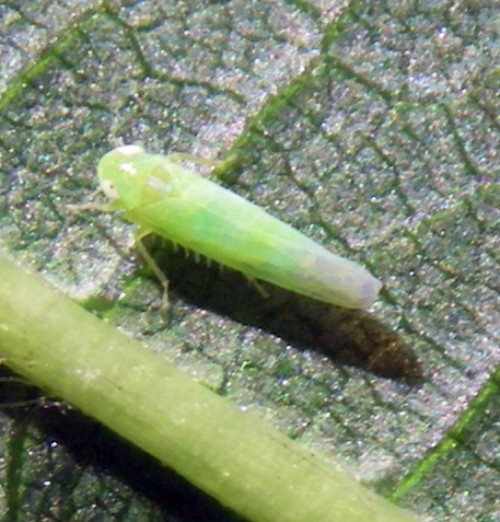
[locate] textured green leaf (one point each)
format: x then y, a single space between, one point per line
371 127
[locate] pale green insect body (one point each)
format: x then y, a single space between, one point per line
161 196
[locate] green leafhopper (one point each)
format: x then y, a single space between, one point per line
161 196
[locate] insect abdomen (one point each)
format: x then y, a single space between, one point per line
223 226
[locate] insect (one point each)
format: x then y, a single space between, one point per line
161 196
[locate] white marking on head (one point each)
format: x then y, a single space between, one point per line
130 150
129 169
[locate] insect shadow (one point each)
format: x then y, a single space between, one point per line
352 337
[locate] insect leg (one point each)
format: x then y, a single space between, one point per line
93 207
153 265
260 289
185 156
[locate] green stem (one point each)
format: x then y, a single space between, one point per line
231 455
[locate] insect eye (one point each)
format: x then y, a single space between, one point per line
109 189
